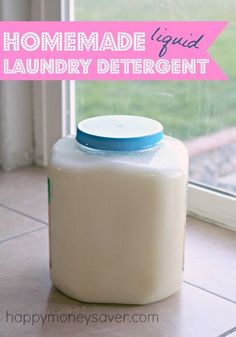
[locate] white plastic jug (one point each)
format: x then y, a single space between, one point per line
117 211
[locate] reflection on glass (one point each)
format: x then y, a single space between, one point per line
201 113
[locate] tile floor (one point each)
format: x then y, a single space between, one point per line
205 307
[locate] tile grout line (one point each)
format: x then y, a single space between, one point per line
23 214
227 333
210 292
22 234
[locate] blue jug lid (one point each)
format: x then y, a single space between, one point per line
119 133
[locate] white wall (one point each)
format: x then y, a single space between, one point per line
16 122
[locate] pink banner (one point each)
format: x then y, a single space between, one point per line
109 50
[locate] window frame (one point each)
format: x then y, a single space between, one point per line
211 205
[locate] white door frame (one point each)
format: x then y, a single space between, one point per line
54 111
47 102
